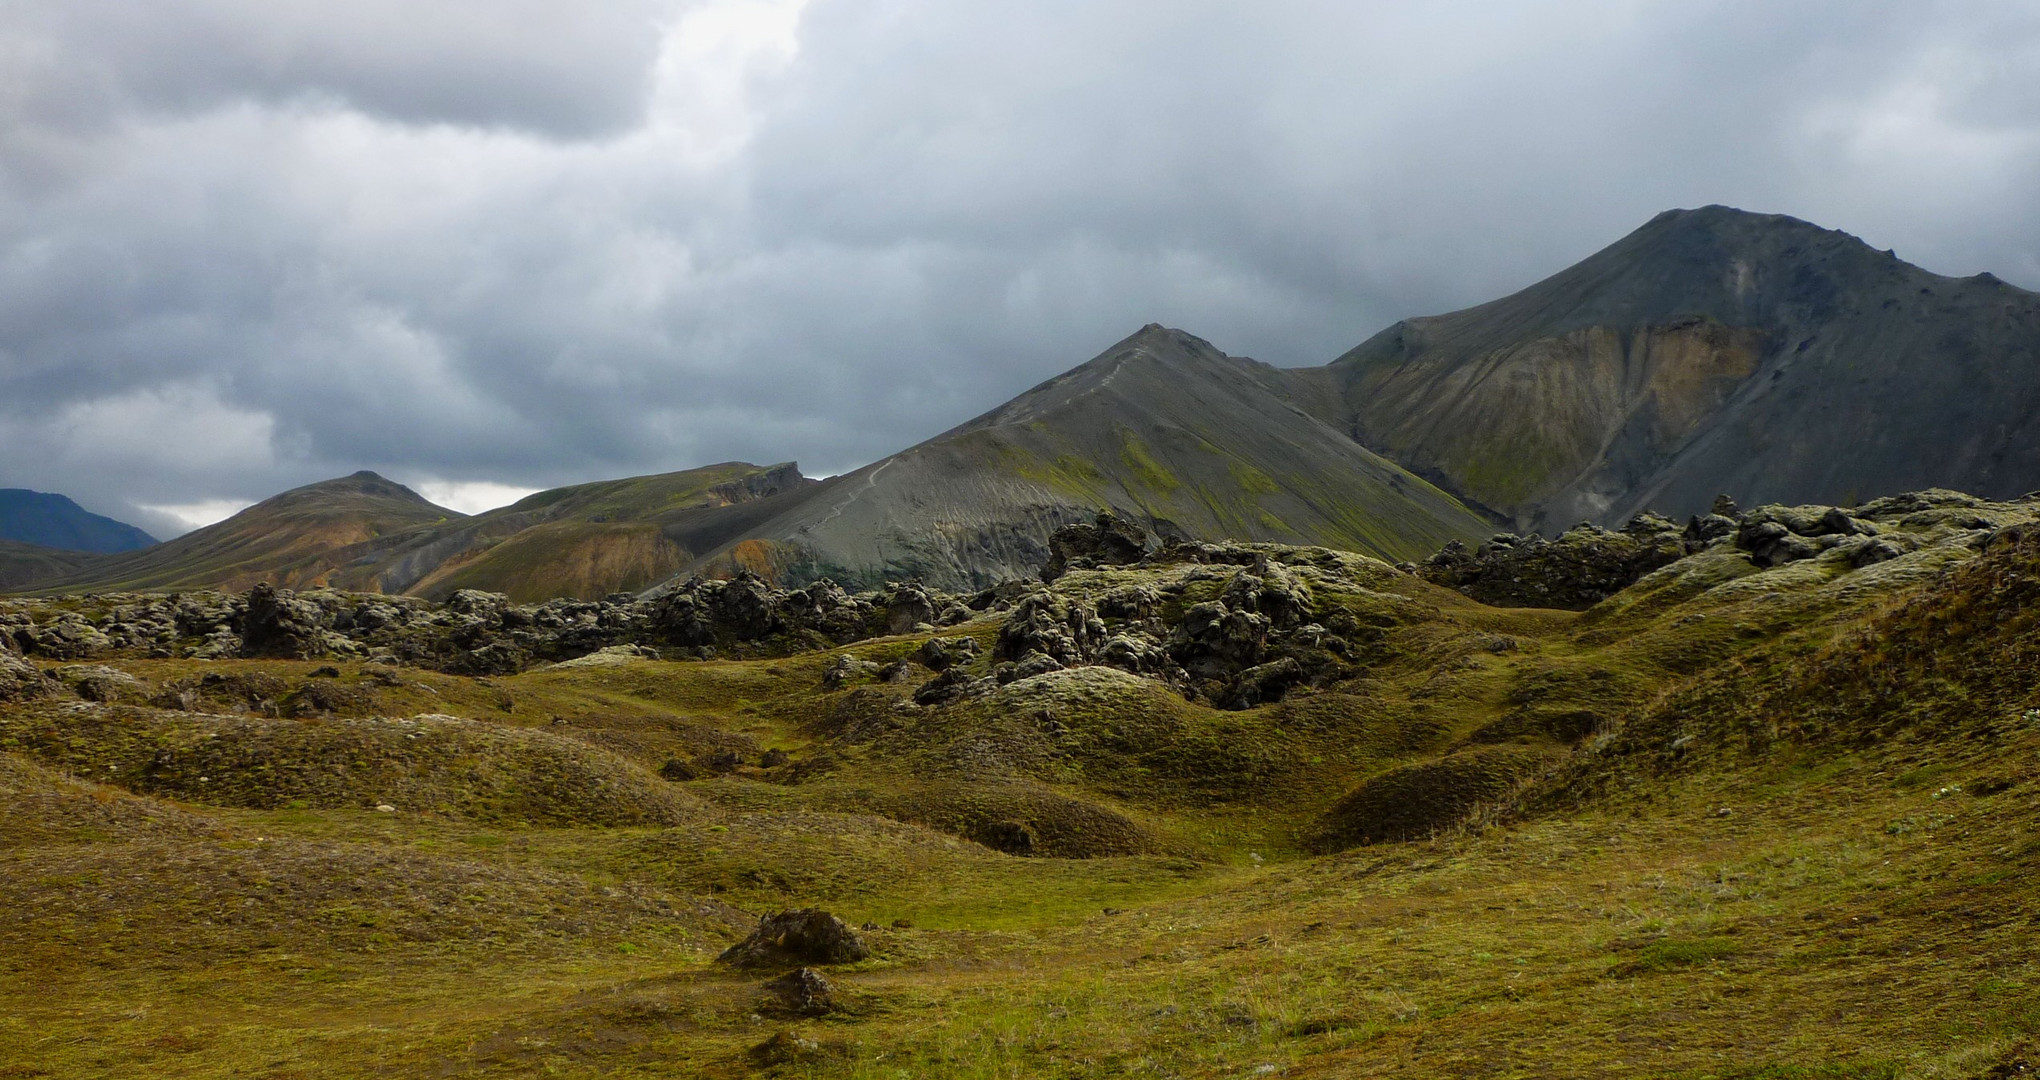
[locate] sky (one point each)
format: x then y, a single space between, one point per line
489 246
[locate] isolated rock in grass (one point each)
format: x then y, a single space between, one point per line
848 669
785 1048
940 654
802 991
801 936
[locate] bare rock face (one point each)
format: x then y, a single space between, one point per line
801 936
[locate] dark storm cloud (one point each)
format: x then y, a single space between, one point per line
245 245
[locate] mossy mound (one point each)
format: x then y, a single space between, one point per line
194 904
1417 800
1055 826
39 805
439 764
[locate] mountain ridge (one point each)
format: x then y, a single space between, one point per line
49 520
1710 350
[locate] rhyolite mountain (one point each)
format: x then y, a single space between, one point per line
54 521
294 539
1712 350
368 533
1161 426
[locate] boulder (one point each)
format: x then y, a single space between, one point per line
909 606
279 625
798 937
939 654
1110 540
21 680
802 992
848 669
744 606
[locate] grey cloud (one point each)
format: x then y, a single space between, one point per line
251 245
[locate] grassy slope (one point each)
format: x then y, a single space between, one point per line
294 540
22 565
1784 895
588 540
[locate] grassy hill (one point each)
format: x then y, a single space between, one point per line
369 534
295 540
1737 820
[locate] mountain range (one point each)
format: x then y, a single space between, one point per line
1712 350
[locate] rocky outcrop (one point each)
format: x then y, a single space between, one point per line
473 632
1111 540
1582 567
799 937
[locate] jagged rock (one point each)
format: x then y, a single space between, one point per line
1066 630
1776 535
848 669
1030 665
909 606
477 603
1214 640
21 680
1140 654
1725 507
1272 590
1263 683
278 624
1576 571
67 637
938 654
745 606
951 685
801 936
1110 540
1874 552
803 992
1703 531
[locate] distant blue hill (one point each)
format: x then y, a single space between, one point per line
33 517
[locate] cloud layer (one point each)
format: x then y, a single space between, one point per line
248 245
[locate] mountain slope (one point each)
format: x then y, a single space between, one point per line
54 521
288 539
586 541
369 534
1711 350
23 565
1161 426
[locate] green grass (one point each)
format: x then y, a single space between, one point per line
1741 907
